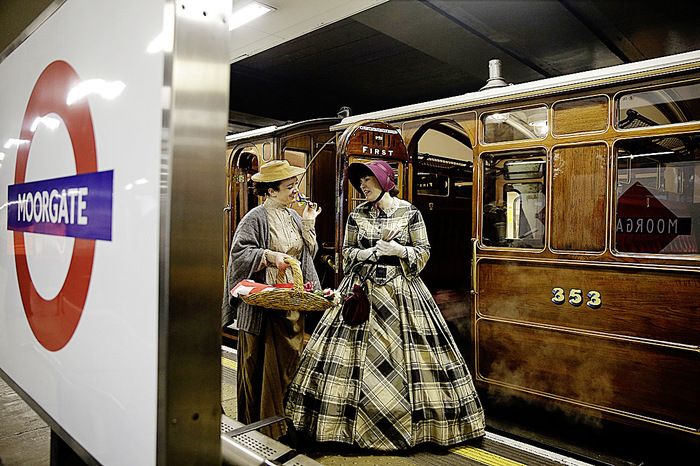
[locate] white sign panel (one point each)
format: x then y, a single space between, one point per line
80 153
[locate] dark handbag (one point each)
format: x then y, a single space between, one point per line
356 306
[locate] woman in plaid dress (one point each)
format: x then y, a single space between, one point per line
397 379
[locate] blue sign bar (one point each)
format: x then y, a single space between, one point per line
77 206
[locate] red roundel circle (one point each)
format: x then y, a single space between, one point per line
53 322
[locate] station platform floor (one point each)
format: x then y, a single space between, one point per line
25 439
492 450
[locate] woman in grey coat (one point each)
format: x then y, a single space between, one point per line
269 341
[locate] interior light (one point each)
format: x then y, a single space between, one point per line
247 14
498 117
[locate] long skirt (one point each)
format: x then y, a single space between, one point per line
266 366
390 383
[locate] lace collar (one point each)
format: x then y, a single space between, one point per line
376 211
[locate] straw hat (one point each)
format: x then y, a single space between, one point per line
276 170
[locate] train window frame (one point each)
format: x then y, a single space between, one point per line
534 153
504 114
266 151
515 176
435 132
619 96
663 199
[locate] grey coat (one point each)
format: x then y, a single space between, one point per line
251 239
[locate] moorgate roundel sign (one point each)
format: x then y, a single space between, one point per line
77 206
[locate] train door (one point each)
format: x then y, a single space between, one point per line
442 160
314 151
441 184
246 167
321 179
243 164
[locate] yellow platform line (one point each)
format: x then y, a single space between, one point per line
229 363
482 456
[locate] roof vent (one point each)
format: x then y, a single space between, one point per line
344 112
495 79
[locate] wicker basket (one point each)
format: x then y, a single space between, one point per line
289 299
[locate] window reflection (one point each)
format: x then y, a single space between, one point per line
671 105
514 211
432 184
658 195
515 125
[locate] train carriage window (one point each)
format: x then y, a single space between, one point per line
463 187
445 144
658 195
658 107
444 162
267 152
513 213
515 125
242 192
432 184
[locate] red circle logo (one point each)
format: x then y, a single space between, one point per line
53 322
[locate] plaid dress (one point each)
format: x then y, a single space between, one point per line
398 379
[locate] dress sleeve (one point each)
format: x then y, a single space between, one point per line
308 233
418 248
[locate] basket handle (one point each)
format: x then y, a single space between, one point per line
296 273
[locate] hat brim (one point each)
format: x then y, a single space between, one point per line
356 171
279 176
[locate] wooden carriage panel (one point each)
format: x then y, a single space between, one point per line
580 115
372 139
648 382
579 197
656 305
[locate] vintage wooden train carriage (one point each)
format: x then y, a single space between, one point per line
564 219
571 209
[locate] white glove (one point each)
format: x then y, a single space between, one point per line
365 254
390 248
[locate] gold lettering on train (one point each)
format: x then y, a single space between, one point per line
374 139
375 151
576 298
